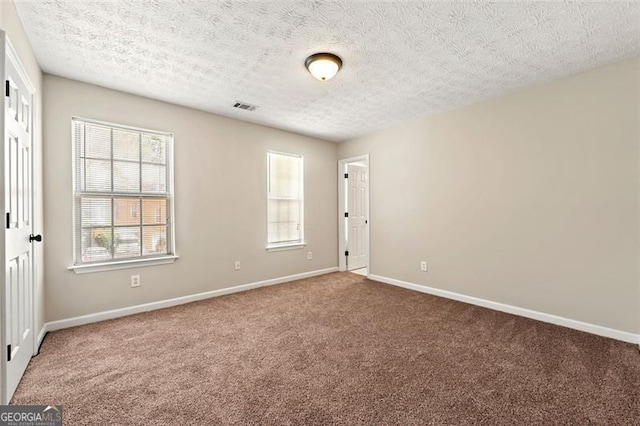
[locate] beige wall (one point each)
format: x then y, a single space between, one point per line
529 200
11 25
220 193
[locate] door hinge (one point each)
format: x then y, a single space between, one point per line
7 88
346 175
8 353
8 220
346 214
346 252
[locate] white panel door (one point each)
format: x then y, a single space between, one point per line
357 221
18 221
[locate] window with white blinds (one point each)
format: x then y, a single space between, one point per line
123 192
285 200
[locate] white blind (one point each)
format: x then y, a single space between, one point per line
285 198
122 192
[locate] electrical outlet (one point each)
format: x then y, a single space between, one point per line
236 265
423 265
135 280
309 255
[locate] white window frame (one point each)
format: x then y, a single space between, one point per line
294 244
78 267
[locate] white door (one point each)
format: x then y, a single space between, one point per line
357 221
18 222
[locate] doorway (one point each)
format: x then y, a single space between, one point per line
353 214
17 284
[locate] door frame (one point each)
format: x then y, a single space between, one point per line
8 53
342 242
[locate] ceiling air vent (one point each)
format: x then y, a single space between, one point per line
242 105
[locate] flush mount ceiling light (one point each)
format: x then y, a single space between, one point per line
323 66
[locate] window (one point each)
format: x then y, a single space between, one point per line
285 200
123 194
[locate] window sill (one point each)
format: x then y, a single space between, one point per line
281 247
124 264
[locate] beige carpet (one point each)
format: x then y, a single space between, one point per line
336 349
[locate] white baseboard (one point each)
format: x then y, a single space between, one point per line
130 310
540 316
43 332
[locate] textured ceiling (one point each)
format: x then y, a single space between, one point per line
401 59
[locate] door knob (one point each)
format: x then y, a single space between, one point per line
37 238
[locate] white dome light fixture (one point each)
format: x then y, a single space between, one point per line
323 66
